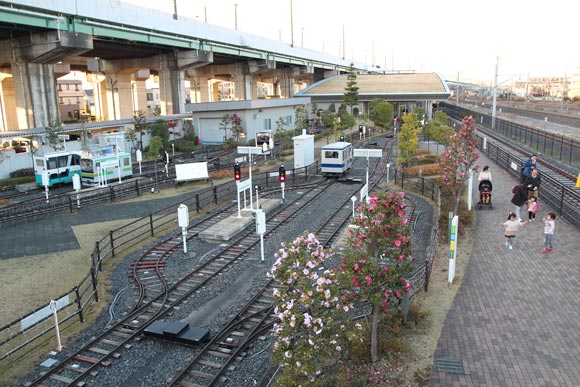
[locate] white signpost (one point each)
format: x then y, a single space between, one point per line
250 150
453 248
77 187
261 229
183 222
139 156
45 182
368 153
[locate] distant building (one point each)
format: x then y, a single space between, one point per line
71 99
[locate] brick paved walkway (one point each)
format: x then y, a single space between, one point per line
515 320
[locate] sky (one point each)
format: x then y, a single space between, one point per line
460 39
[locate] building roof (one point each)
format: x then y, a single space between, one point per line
411 86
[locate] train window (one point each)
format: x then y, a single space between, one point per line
331 154
52 163
87 166
126 162
75 160
62 161
40 163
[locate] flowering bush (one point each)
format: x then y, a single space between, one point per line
459 158
375 266
313 323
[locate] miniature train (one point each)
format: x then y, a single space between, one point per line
336 159
59 166
101 164
96 165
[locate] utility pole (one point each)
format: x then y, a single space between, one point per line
494 95
291 27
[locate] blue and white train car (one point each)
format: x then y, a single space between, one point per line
336 159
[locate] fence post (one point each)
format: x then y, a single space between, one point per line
94 281
79 304
197 204
137 187
215 198
97 263
112 241
151 224
112 193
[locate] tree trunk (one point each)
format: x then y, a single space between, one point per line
374 328
457 199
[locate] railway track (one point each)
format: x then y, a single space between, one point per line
211 365
558 185
101 352
157 299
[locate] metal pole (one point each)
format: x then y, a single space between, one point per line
494 96
257 199
238 190
262 245
54 314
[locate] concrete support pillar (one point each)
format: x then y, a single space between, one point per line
126 92
8 119
171 86
249 87
43 93
110 96
34 95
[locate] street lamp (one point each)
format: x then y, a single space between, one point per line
236 16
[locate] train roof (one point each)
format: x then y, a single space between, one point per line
339 145
57 153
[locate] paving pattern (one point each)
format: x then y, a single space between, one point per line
515 320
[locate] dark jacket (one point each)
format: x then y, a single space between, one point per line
533 182
520 196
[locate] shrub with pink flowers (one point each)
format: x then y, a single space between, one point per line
459 158
314 325
378 260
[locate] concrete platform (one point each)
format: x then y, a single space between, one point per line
225 229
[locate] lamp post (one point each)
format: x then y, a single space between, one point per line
236 16
291 27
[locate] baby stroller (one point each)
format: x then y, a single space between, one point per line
485 188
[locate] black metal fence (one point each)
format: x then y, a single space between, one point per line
31 329
558 147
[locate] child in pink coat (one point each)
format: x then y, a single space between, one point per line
532 206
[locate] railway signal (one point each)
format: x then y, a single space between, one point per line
237 172
282 174
342 138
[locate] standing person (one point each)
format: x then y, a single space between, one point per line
532 209
549 227
520 196
511 229
528 166
533 183
485 174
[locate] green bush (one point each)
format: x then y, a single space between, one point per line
22 173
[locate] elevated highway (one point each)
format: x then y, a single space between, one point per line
119 47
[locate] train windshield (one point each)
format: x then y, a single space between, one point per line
57 162
87 165
331 154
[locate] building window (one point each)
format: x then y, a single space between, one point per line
268 123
